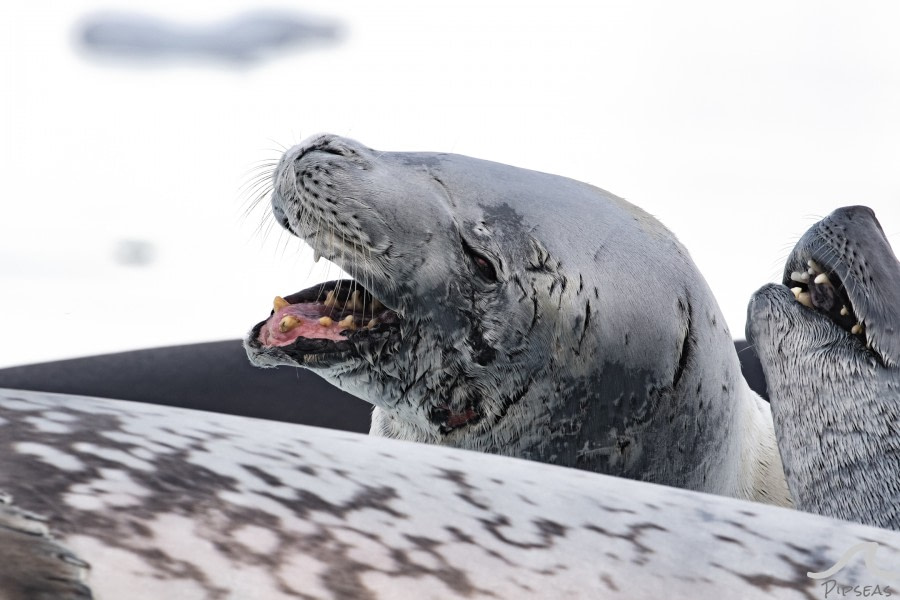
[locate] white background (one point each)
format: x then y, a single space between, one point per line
737 125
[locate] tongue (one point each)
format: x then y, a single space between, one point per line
311 320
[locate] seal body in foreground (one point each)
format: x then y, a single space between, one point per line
515 312
831 354
168 503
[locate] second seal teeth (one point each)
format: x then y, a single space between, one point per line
814 267
802 297
800 276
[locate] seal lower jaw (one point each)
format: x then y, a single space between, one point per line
323 326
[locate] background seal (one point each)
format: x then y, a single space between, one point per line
831 354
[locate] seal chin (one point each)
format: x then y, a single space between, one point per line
326 325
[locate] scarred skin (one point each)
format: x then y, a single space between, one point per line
538 317
835 394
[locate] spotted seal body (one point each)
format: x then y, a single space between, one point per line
174 503
515 312
830 349
34 565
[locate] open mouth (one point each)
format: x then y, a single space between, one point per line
820 289
328 318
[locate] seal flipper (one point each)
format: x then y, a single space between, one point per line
34 565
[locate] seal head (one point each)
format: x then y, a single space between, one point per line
510 311
827 339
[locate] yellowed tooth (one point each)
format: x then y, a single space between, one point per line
288 323
347 322
814 266
372 323
331 300
844 311
279 303
326 322
355 302
796 291
800 276
804 299
856 329
822 278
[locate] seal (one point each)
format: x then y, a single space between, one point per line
830 350
165 502
34 563
514 312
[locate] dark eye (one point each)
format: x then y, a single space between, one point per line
484 266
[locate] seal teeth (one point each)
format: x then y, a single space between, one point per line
288 323
331 300
802 297
856 328
372 323
326 321
844 311
347 322
816 269
355 302
279 303
800 276
822 279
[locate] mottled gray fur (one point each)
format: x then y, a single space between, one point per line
34 565
836 396
597 346
168 503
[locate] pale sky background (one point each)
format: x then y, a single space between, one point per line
737 125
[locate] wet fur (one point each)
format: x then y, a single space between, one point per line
172 503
